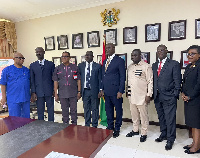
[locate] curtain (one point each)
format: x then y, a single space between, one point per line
8 39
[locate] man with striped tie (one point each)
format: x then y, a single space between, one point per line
166 89
113 81
140 90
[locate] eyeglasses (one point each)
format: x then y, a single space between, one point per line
20 58
65 56
191 54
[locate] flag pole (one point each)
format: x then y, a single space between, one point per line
103 116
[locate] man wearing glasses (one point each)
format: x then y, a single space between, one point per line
42 84
15 87
67 82
166 89
90 85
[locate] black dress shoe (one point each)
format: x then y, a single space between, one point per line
132 134
143 138
189 152
115 134
160 138
186 147
169 145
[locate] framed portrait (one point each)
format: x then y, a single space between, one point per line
152 32
130 35
123 56
184 60
73 60
177 30
56 60
49 43
197 28
99 59
111 36
169 55
83 58
62 42
145 56
93 39
77 41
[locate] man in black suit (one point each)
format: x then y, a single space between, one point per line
90 85
41 72
166 89
113 81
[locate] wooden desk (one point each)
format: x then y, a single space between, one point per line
74 140
10 123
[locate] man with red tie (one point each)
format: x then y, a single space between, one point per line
166 89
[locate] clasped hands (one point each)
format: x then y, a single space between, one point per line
101 94
185 98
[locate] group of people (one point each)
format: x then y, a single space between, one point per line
68 83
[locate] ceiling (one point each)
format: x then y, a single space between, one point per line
21 10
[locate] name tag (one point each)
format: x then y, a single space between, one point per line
75 77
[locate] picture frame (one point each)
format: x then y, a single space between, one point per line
99 59
93 39
77 41
169 55
56 60
123 56
184 60
111 36
145 56
62 42
130 35
197 28
177 30
73 60
152 32
83 58
49 43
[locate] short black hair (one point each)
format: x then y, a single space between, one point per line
162 45
137 50
194 47
90 52
67 52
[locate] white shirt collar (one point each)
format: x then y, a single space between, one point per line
163 61
41 62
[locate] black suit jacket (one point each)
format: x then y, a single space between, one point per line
41 78
95 78
191 83
168 83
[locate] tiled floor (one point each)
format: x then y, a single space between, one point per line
123 147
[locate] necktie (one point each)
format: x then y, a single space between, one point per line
108 62
159 68
88 77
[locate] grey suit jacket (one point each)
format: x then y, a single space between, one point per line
168 83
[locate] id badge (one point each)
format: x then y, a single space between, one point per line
75 77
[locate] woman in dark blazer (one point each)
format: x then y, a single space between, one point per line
191 97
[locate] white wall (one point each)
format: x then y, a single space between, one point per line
31 33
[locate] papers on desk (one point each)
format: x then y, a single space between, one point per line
60 155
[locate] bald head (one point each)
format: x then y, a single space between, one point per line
18 59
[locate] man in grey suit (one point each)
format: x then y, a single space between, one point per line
166 89
90 87
41 72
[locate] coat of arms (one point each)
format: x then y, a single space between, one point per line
110 17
